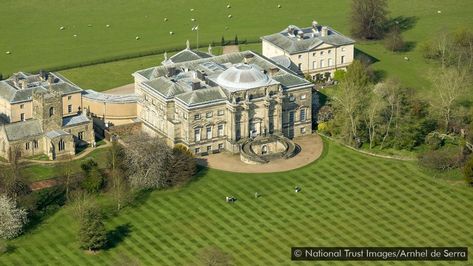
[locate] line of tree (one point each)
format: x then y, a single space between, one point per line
388 115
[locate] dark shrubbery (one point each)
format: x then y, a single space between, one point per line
442 159
92 232
94 180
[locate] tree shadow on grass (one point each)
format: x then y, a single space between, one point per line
408 46
8 249
379 75
402 22
202 170
117 235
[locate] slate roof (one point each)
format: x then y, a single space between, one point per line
75 120
165 87
56 133
286 62
186 55
13 94
24 129
208 95
223 60
294 45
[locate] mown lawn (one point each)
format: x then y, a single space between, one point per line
30 30
347 199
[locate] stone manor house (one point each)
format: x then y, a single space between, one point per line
241 102
316 51
42 115
216 103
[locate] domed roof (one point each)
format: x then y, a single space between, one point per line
242 76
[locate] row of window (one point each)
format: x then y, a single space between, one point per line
209 148
302 115
208 132
322 52
209 114
61 145
35 145
302 97
322 63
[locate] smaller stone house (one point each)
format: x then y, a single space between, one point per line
51 121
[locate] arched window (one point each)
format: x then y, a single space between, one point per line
51 111
61 145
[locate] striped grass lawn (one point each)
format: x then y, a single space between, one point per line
347 199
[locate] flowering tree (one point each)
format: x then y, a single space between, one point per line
12 219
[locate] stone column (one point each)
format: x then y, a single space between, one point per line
278 114
232 125
267 106
246 120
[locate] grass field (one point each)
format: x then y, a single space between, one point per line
347 199
30 30
36 171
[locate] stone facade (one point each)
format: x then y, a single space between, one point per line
43 115
313 50
215 104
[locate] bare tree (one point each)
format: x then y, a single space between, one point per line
372 116
80 200
147 160
12 183
368 18
448 85
393 40
67 173
390 91
117 182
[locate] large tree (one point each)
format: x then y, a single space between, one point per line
449 85
12 218
390 91
368 18
349 102
148 162
183 166
92 232
11 181
372 116
151 163
117 183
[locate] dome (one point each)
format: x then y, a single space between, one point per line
242 76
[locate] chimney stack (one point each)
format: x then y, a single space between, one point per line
324 31
300 35
23 84
195 84
315 26
273 71
290 30
248 57
171 71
